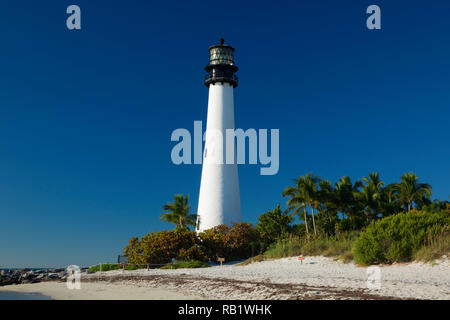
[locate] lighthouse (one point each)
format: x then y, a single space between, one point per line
219 199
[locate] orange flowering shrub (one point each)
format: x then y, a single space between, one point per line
232 243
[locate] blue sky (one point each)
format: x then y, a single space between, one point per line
86 116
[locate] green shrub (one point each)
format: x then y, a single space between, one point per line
134 267
161 247
133 251
398 237
231 243
105 267
196 252
273 225
185 264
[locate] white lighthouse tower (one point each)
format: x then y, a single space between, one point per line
219 200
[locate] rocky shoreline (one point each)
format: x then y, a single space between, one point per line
23 276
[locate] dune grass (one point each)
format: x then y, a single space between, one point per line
435 246
339 247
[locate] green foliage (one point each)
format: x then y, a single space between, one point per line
337 246
178 212
231 243
196 252
161 247
409 190
105 267
435 246
273 225
346 205
134 267
398 237
133 251
288 247
185 264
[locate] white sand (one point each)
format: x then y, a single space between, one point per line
411 280
98 291
288 278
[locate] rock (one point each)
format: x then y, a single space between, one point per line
53 276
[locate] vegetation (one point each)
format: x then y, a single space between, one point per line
231 243
336 246
178 212
409 191
185 264
161 247
274 225
348 205
399 237
105 267
435 246
364 219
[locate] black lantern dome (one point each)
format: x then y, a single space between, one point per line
221 66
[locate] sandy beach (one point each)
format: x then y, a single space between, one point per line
288 278
92 291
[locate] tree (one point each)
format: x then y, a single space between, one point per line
328 204
178 212
346 193
370 195
388 204
410 191
273 224
296 202
308 188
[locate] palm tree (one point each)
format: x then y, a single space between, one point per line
370 195
328 199
409 191
328 203
296 202
308 188
346 193
178 212
388 204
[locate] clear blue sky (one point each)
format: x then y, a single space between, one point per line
86 116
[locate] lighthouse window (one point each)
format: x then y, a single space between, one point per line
205 152
221 56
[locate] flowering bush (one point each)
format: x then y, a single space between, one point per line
232 243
